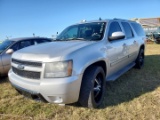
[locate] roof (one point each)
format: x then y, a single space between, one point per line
101 20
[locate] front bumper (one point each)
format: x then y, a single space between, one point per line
56 90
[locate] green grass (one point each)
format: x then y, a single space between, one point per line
134 96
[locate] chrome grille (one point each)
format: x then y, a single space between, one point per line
35 64
26 74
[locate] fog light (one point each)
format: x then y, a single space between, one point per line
56 99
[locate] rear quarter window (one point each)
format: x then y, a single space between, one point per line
138 29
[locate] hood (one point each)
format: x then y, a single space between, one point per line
52 51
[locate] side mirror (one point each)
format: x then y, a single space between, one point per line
9 51
117 36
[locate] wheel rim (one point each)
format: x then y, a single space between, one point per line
97 90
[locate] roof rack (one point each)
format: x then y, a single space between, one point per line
100 18
82 21
118 19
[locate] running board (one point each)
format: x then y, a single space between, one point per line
120 72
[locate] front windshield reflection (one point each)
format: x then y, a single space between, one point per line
86 31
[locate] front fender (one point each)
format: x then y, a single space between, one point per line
81 63
86 56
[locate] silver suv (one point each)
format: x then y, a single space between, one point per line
75 67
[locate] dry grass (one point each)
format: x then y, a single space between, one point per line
134 96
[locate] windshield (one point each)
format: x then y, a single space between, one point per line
5 44
86 31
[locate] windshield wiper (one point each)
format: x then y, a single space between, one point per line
69 39
60 40
83 39
57 40
76 38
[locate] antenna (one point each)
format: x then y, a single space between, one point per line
33 34
8 37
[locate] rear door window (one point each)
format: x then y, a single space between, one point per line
127 29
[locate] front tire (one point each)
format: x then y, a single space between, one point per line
92 87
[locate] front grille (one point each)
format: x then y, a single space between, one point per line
27 74
35 64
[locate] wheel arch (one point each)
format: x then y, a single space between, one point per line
85 95
100 63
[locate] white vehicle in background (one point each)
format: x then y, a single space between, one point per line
76 66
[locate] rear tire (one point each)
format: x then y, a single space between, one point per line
92 87
140 59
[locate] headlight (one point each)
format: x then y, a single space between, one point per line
58 69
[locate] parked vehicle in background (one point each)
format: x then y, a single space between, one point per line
7 47
154 37
76 66
157 37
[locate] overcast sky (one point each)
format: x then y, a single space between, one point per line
22 18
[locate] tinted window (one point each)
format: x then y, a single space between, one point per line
5 44
86 31
138 29
25 44
114 27
15 46
72 32
38 41
127 29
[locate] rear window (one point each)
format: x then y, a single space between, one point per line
138 29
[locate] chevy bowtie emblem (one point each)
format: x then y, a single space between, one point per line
21 67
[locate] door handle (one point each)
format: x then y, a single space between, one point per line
124 46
